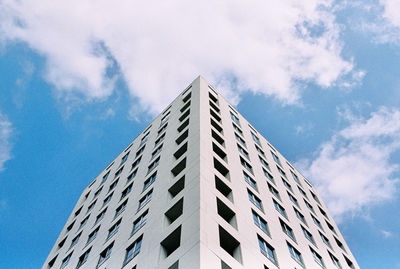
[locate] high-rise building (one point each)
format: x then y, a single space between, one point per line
200 188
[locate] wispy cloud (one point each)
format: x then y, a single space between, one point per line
5 144
387 234
353 169
268 47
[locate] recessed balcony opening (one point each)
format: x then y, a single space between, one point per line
171 243
179 167
221 168
174 212
177 187
182 137
226 213
181 151
219 151
229 244
223 188
183 125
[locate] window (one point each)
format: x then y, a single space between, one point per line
226 213
241 150
182 137
323 212
174 212
260 222
113 185
302 192
97 192
52 262
105 177
228 243
118 172
221 168
62 242
307 234
214 106
281 171
295 177
237 129
131 176
279 208
83 258
293 199
325 239
183 126
156 151
274 191
349 263
185 107
287 230
300 216
217 150
223 188
140 151
114 229
335 260
172 242
187 97
234 118
314 196
83 222
255 200
241 141
149 181
77 212
246 165
123 160
159 140
296 255
135 163
120 208
66 260
100 216
287 185
276 158
145 199
218 138
255 138
165 118
93 235
317 258
340 244
259 150
133 250
317 222
162 129
105 254
179 167
269 176
309 206
215 116
126 191
178 186
249 180
153 165
144 139
330 227
75 240
91 206
107 199
139 222
267 250
264 163
212 97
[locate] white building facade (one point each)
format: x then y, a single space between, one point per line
200 188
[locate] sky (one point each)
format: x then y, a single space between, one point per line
79 80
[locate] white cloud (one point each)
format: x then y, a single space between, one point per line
267 47
353 170
5 145
387 234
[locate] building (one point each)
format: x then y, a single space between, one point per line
200 188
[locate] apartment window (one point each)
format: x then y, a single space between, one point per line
255 138
178 186
83 258
149 181
185 107
279 208
105 177
131 176
223 188
281 171
144 139
140 151
214 106
172 242
315 197
234 118
93 235
165 118
105 254
91 206
228 243
100 216
179 167
241 141
133 250
260 222
156 151
267 250
62 242
113 185
302 192
174 212
182 137
330 227
166 110
295 177
274 191
219 151
224 265
340 244
162 129
126 191
241 150
287 185
325 239
287 230
323 212
118 172
139 222
187 97
255 200
307 234
335 260
107 199
317 258
83 222
114 229
309 206
75 240
145 199
52 262
276 158
269 176
212 97
293 199
159 140
250 181
226 213
121 208
215 116
246 165
349 263
221 168
77 212
153 165
237 129
300 216
296 255
123 160
316 221
259 150
66 260
218 138
98 192
183 126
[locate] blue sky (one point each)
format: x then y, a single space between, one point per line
319 79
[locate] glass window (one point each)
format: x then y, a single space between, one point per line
255 138
269 176
287 230
307 234
260 222
279 208
300 216
296 255
246 165
133 250
255 200
114 229
105 254
100 216
66 260
249 180
93 235
139 222
120 209
145 199
153 165
267 250
293 199
105 177
234 118
317 258
83 258
241 141
149 181
264 163
241 150
123 160
276 158
274 191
